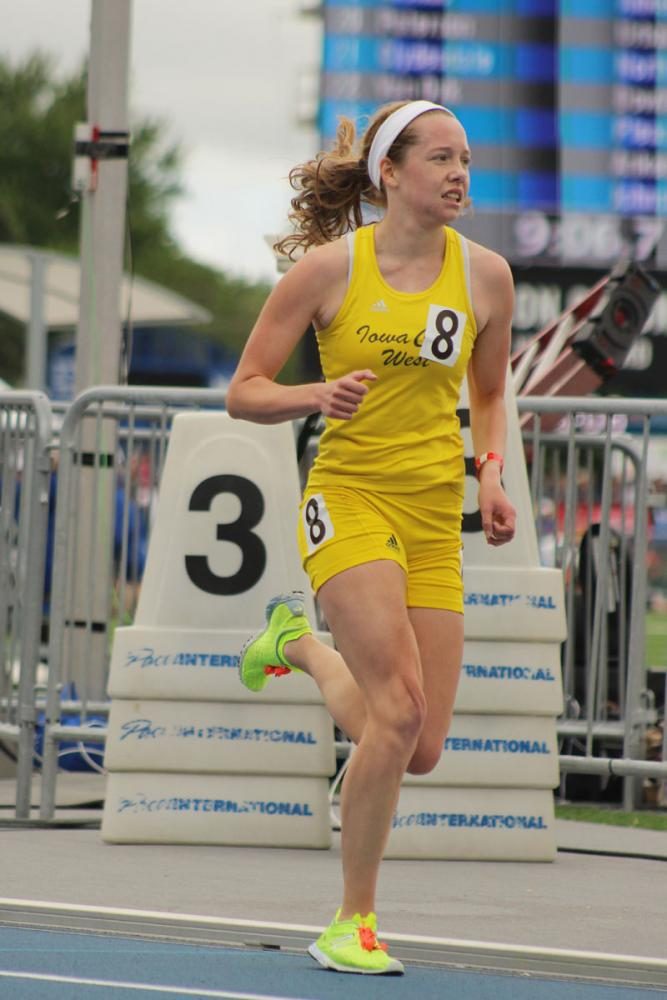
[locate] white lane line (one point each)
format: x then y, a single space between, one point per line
145 987
44 906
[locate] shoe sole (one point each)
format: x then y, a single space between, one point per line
244 649
328 963
295 595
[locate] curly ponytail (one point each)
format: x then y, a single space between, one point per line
331 188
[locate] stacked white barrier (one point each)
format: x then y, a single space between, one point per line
192 757
490 797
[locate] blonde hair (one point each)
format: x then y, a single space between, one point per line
331 188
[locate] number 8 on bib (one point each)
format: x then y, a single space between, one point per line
317 523
443 335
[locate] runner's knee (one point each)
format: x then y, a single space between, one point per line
426 756
400 710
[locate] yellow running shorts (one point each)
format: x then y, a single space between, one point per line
341 526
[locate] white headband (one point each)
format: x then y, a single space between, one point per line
390 129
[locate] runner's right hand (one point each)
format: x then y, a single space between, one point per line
341 398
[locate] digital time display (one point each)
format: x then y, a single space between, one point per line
564 103
613 99
493 62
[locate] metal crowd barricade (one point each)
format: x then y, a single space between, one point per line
112 445
25 467
589 484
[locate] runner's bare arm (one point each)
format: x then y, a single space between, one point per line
486 386
493 288
300 298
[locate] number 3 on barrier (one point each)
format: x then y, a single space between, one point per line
472 516
239 532
224 538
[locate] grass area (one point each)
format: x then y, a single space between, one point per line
649 820
656 640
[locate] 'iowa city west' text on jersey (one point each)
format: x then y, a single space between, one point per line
406 433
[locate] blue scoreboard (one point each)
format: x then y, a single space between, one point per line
564 103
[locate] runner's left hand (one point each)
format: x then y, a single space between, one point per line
498 514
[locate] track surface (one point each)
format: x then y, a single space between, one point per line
56 965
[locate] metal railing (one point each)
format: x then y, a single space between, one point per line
589 488
589 484
112 445
25 468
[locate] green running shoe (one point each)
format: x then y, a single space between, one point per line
351 946
263 655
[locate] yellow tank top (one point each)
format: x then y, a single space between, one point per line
406 434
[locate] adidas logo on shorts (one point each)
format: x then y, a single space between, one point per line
392 543
380 306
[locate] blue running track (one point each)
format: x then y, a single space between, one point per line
58 965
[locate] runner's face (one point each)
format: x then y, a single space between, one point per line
434 177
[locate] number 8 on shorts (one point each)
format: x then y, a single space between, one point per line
316 522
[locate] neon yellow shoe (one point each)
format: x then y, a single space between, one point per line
263 655
351 946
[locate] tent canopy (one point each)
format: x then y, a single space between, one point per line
147 302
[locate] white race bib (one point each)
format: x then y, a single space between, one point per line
443 335
317 523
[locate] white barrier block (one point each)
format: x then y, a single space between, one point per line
195 665
510 677
470 824
216 809
224 538
496 751
520 603
523 549
210 737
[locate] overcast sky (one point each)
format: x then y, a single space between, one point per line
227 77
